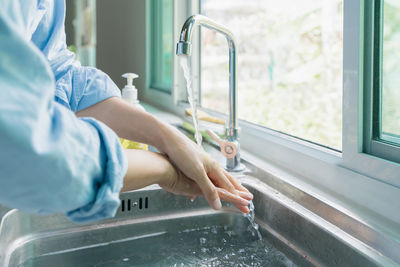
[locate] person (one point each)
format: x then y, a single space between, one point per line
59 128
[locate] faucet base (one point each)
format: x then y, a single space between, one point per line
239 168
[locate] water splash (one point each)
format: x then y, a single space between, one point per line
192 96
223 245
251 216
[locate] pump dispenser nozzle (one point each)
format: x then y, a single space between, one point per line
130 77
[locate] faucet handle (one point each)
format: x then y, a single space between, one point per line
228 149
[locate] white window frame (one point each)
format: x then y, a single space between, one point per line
351 174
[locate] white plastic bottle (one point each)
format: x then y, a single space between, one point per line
129 94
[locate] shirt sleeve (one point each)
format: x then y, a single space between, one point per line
50 160
77 87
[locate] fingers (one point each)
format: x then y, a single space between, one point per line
239 202
228 188
187 187
209 192
217 175
235 199
235 182
243 209
245 195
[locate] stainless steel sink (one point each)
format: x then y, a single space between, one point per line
156 228
152 224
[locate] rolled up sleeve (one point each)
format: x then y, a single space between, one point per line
50 161
77 87
106 200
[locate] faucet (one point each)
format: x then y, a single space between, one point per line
230 148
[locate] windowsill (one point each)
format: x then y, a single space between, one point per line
319 174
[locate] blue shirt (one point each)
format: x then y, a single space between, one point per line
50 160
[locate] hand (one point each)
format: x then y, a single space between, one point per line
146 168
176 182
199 167
189 158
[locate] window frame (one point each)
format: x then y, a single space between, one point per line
321 166
360 98
374 144
172 101
154 37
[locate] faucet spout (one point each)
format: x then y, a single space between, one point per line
184 47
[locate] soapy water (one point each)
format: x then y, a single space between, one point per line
224 245
192 96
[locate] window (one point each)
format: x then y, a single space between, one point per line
80 24
311 75
382 95
289 65
162 47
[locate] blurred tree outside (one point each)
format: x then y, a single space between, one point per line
289 65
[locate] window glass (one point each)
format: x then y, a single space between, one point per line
391 71
161 39
289 67
80 26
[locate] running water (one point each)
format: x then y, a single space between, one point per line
192 96
253 223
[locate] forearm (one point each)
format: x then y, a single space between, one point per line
129 122
145 168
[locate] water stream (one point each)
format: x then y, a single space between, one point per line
192 98
251 217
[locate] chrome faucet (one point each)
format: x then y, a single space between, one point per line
231 147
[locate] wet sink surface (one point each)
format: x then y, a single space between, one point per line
216 240
155 228
152 228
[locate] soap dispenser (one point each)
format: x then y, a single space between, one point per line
129 94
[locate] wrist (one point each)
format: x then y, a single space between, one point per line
166 137
167 174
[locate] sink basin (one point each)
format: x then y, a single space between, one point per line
156 228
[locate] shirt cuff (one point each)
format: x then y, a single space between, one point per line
106 201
